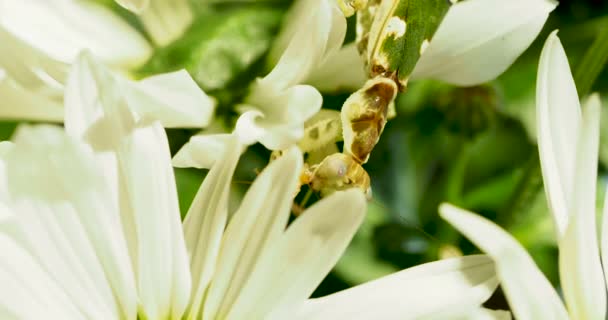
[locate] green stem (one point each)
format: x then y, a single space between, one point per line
306 198
593 62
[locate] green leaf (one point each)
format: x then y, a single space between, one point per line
220 45
400 32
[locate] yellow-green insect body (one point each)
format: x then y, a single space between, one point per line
391 37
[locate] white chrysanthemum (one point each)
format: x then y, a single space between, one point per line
86 240
279 103
568 142
476 42
90 228
41 39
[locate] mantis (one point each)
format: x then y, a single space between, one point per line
391 37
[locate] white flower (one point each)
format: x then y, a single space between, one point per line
90 228
41 39
568 145
476 42
279 104
77 246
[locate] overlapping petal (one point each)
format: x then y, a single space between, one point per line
18 103
529 293
274 116
313 31
581 272
317 240
172 98
257 225
568 145
62 28
164 20
205 224
66 220
201 151
278 105
558 124
445 289
480 39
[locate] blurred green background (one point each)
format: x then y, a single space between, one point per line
474 147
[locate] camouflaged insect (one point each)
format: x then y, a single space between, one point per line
391 37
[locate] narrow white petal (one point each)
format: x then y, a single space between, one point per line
581 273
93 94
173 98
529 293
342 71
28 292
30 67
91 90
202 151
135 6
205 223
165 20
422 292
69 220
558 124
294 265
62 28
162 263
313 30
480 39
276 116
21 104
254 228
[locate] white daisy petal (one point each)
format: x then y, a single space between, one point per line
21 104
275 117
341 71
313 30
30 67
529 293
93 93
201 151
205 223
426 291
62 28
480 39
162 262
317 239
256 226
165 20
581 272
173 98
69 221
558 123
28 292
